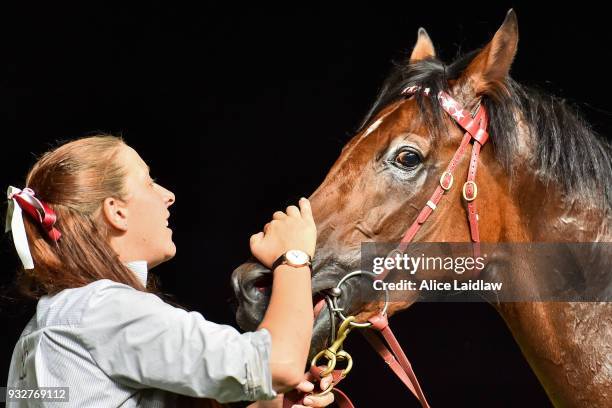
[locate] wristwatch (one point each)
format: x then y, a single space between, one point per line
293 257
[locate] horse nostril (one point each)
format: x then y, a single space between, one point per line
251 282
263 284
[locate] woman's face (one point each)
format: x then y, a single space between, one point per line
147 236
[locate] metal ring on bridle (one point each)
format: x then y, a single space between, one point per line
339 309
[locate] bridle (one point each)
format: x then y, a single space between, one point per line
475 127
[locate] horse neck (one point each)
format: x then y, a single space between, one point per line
546 214
568 345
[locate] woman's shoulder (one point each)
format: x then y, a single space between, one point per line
68 306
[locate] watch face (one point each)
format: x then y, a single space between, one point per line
296 257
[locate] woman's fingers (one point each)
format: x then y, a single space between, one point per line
313 400
326 382
293 211
305 386
319 401
305 209
278 215
284 232
255 238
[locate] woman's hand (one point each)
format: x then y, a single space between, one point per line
305 386
294 229
308 386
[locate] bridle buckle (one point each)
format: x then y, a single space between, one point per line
474 194
447 175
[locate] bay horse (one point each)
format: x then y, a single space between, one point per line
544 176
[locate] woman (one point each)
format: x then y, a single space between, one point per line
96 223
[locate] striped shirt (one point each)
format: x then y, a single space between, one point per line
115 346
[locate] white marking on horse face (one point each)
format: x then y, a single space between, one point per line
373 127
376 124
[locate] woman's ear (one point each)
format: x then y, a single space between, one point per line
115 213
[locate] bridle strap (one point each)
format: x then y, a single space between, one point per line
394 355
476 130
391 352
475 127
446 182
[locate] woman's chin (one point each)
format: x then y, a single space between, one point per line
170 252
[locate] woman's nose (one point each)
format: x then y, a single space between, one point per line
169 197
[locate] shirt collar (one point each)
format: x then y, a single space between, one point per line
140 269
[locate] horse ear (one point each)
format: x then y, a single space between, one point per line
423 48
487 72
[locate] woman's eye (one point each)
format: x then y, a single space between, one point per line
408 159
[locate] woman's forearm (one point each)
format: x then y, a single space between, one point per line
289 319
289 316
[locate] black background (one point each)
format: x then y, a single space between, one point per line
240 111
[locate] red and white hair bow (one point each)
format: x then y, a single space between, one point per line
25 200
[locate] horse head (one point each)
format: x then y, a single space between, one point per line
387 172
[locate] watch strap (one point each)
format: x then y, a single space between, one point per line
279 261
282 260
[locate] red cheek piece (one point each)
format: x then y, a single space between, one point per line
481 136
475 128
446 181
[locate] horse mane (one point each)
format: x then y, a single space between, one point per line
567 151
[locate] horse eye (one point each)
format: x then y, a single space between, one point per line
408 159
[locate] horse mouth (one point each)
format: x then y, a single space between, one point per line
263 285
252 284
